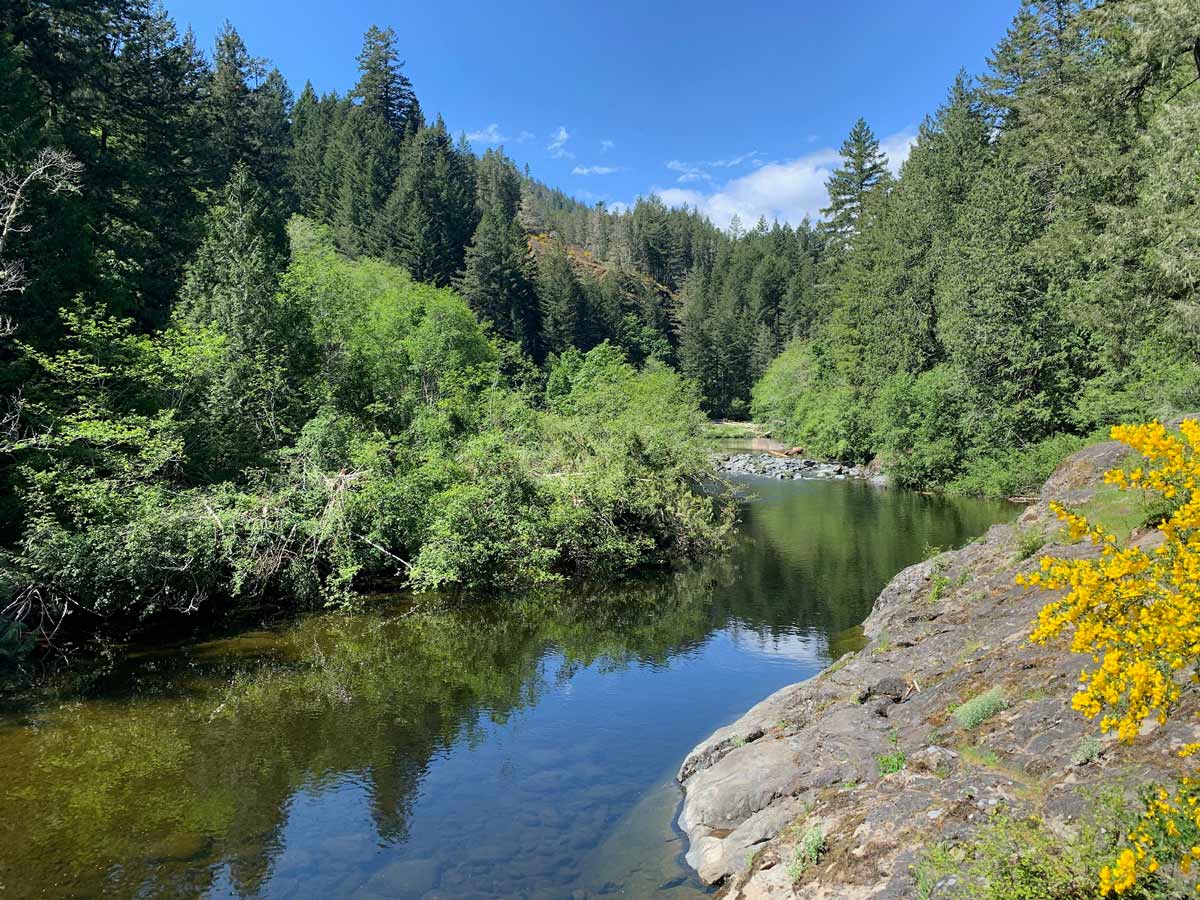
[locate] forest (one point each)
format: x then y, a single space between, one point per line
265 344
228 379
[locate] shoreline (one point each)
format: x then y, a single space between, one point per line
942 632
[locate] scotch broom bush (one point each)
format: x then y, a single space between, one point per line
1135 611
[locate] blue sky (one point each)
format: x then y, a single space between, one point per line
734 108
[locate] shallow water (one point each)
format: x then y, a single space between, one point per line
522 748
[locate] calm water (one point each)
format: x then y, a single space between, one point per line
516 749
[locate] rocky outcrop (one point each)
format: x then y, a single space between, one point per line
940 633
766 465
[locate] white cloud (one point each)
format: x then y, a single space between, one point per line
736 161
688 171
606 145
595 170
618 207
787 191
558 144
897 147
699 171
489 135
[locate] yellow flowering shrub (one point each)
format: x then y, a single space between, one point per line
1136 613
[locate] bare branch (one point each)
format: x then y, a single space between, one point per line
60 172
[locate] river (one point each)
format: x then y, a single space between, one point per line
519 747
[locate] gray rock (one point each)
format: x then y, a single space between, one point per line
818 742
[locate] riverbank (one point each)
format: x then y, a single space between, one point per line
767 465
841 786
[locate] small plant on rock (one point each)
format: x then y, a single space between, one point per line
893 761
940 583
1086 752
807 852
1029 541
980 708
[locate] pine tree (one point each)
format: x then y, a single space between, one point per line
998 320
310 134
496 281
363 163
863 169
430 216
498 184
560 299
232 279
383 90
528 213
231 103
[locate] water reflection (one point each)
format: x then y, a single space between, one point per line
513 749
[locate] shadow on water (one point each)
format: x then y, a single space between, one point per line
517 748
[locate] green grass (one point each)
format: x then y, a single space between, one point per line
979 708
883 644
1019 472
1123 512
1022 858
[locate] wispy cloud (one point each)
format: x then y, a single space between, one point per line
489 135
558 144
690 172
606 145
595 170
525 137
787 191
687 171
750 158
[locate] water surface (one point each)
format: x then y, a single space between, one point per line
515 748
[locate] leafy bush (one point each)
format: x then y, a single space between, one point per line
1029 541
827 419
1017 472
389 444
918 424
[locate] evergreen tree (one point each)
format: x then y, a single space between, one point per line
863 169
430 216
561 302
496 281
231 103
231 282
305 165
383 90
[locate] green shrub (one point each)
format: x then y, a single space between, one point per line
980 708
1018 472
828 420
918 425
385 445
